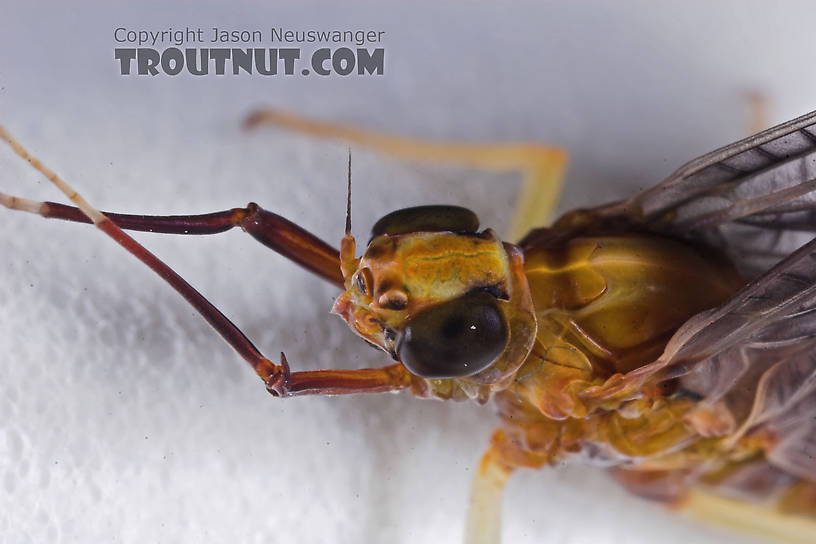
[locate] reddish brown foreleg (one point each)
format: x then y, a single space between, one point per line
276 232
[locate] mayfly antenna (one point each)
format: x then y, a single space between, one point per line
348 264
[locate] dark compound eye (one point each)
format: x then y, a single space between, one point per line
426 219
454 339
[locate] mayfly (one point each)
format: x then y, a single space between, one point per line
668 336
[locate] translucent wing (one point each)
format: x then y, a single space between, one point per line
756 354
755 199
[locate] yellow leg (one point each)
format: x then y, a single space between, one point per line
541 166
483 524
758 106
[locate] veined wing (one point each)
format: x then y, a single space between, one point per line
755 199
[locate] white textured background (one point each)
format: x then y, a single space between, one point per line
123 418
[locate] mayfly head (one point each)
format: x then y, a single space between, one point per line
435 293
